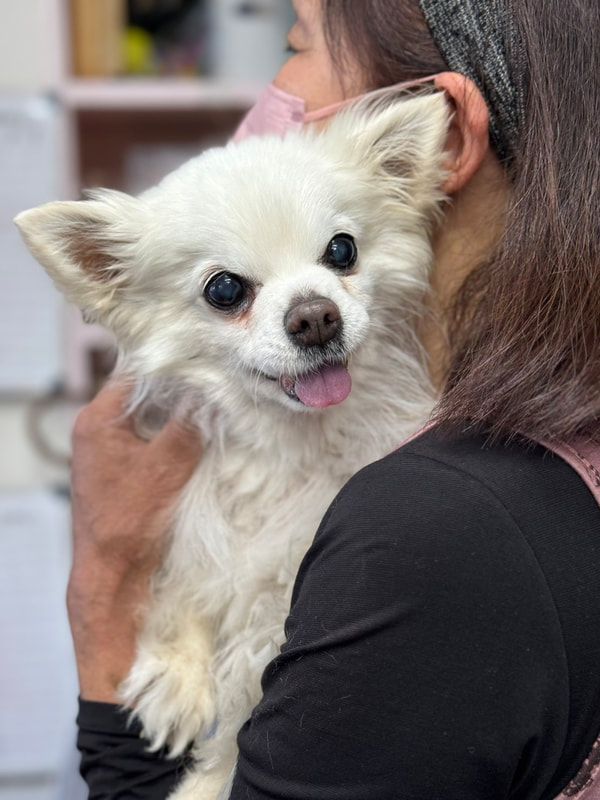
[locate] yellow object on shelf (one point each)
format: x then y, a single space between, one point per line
139 52
98 30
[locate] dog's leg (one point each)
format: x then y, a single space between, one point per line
211 785
170 687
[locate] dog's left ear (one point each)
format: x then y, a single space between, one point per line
398 137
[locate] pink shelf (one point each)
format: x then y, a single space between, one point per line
143 94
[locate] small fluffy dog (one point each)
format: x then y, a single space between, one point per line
269 291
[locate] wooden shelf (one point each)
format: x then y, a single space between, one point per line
147 94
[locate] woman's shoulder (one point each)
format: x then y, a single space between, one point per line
500 542
508 511
423 594
470 510
449 519
451 478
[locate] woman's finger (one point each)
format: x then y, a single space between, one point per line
106 412
177 443
111 402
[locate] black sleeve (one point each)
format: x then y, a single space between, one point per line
421 653
115 761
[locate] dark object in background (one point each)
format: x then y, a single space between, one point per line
166 37
154 15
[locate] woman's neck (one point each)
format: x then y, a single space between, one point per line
471 229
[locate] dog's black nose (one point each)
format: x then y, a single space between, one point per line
313 322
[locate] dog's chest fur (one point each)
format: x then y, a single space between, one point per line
268 475
252 508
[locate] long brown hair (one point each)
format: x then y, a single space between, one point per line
525 326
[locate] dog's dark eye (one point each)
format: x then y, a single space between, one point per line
341 252
225 291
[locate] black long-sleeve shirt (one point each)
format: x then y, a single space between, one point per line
443 643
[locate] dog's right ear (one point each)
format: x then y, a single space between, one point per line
399 138
87 247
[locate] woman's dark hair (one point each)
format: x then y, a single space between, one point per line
525 326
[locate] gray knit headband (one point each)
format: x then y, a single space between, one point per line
474 37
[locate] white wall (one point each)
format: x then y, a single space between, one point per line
38 675
33 52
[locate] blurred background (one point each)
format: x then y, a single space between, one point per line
92 93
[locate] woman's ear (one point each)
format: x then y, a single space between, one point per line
468 138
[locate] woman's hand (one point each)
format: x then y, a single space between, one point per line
123 491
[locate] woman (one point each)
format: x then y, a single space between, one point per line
442 641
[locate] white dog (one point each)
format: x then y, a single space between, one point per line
270 290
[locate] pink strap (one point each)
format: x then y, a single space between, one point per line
585 460
330 110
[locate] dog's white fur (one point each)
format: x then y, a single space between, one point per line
264 209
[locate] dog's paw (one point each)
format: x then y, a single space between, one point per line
171 692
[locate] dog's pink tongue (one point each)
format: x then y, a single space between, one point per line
328 387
